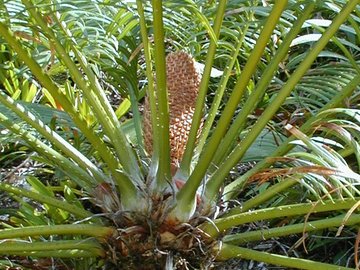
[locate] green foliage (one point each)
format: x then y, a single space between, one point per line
284 97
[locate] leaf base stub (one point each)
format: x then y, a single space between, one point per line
151 241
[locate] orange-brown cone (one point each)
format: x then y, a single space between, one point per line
183 86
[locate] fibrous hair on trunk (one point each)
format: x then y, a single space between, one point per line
183 82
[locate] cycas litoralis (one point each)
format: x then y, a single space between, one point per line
131 228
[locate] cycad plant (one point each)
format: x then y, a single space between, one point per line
158 190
